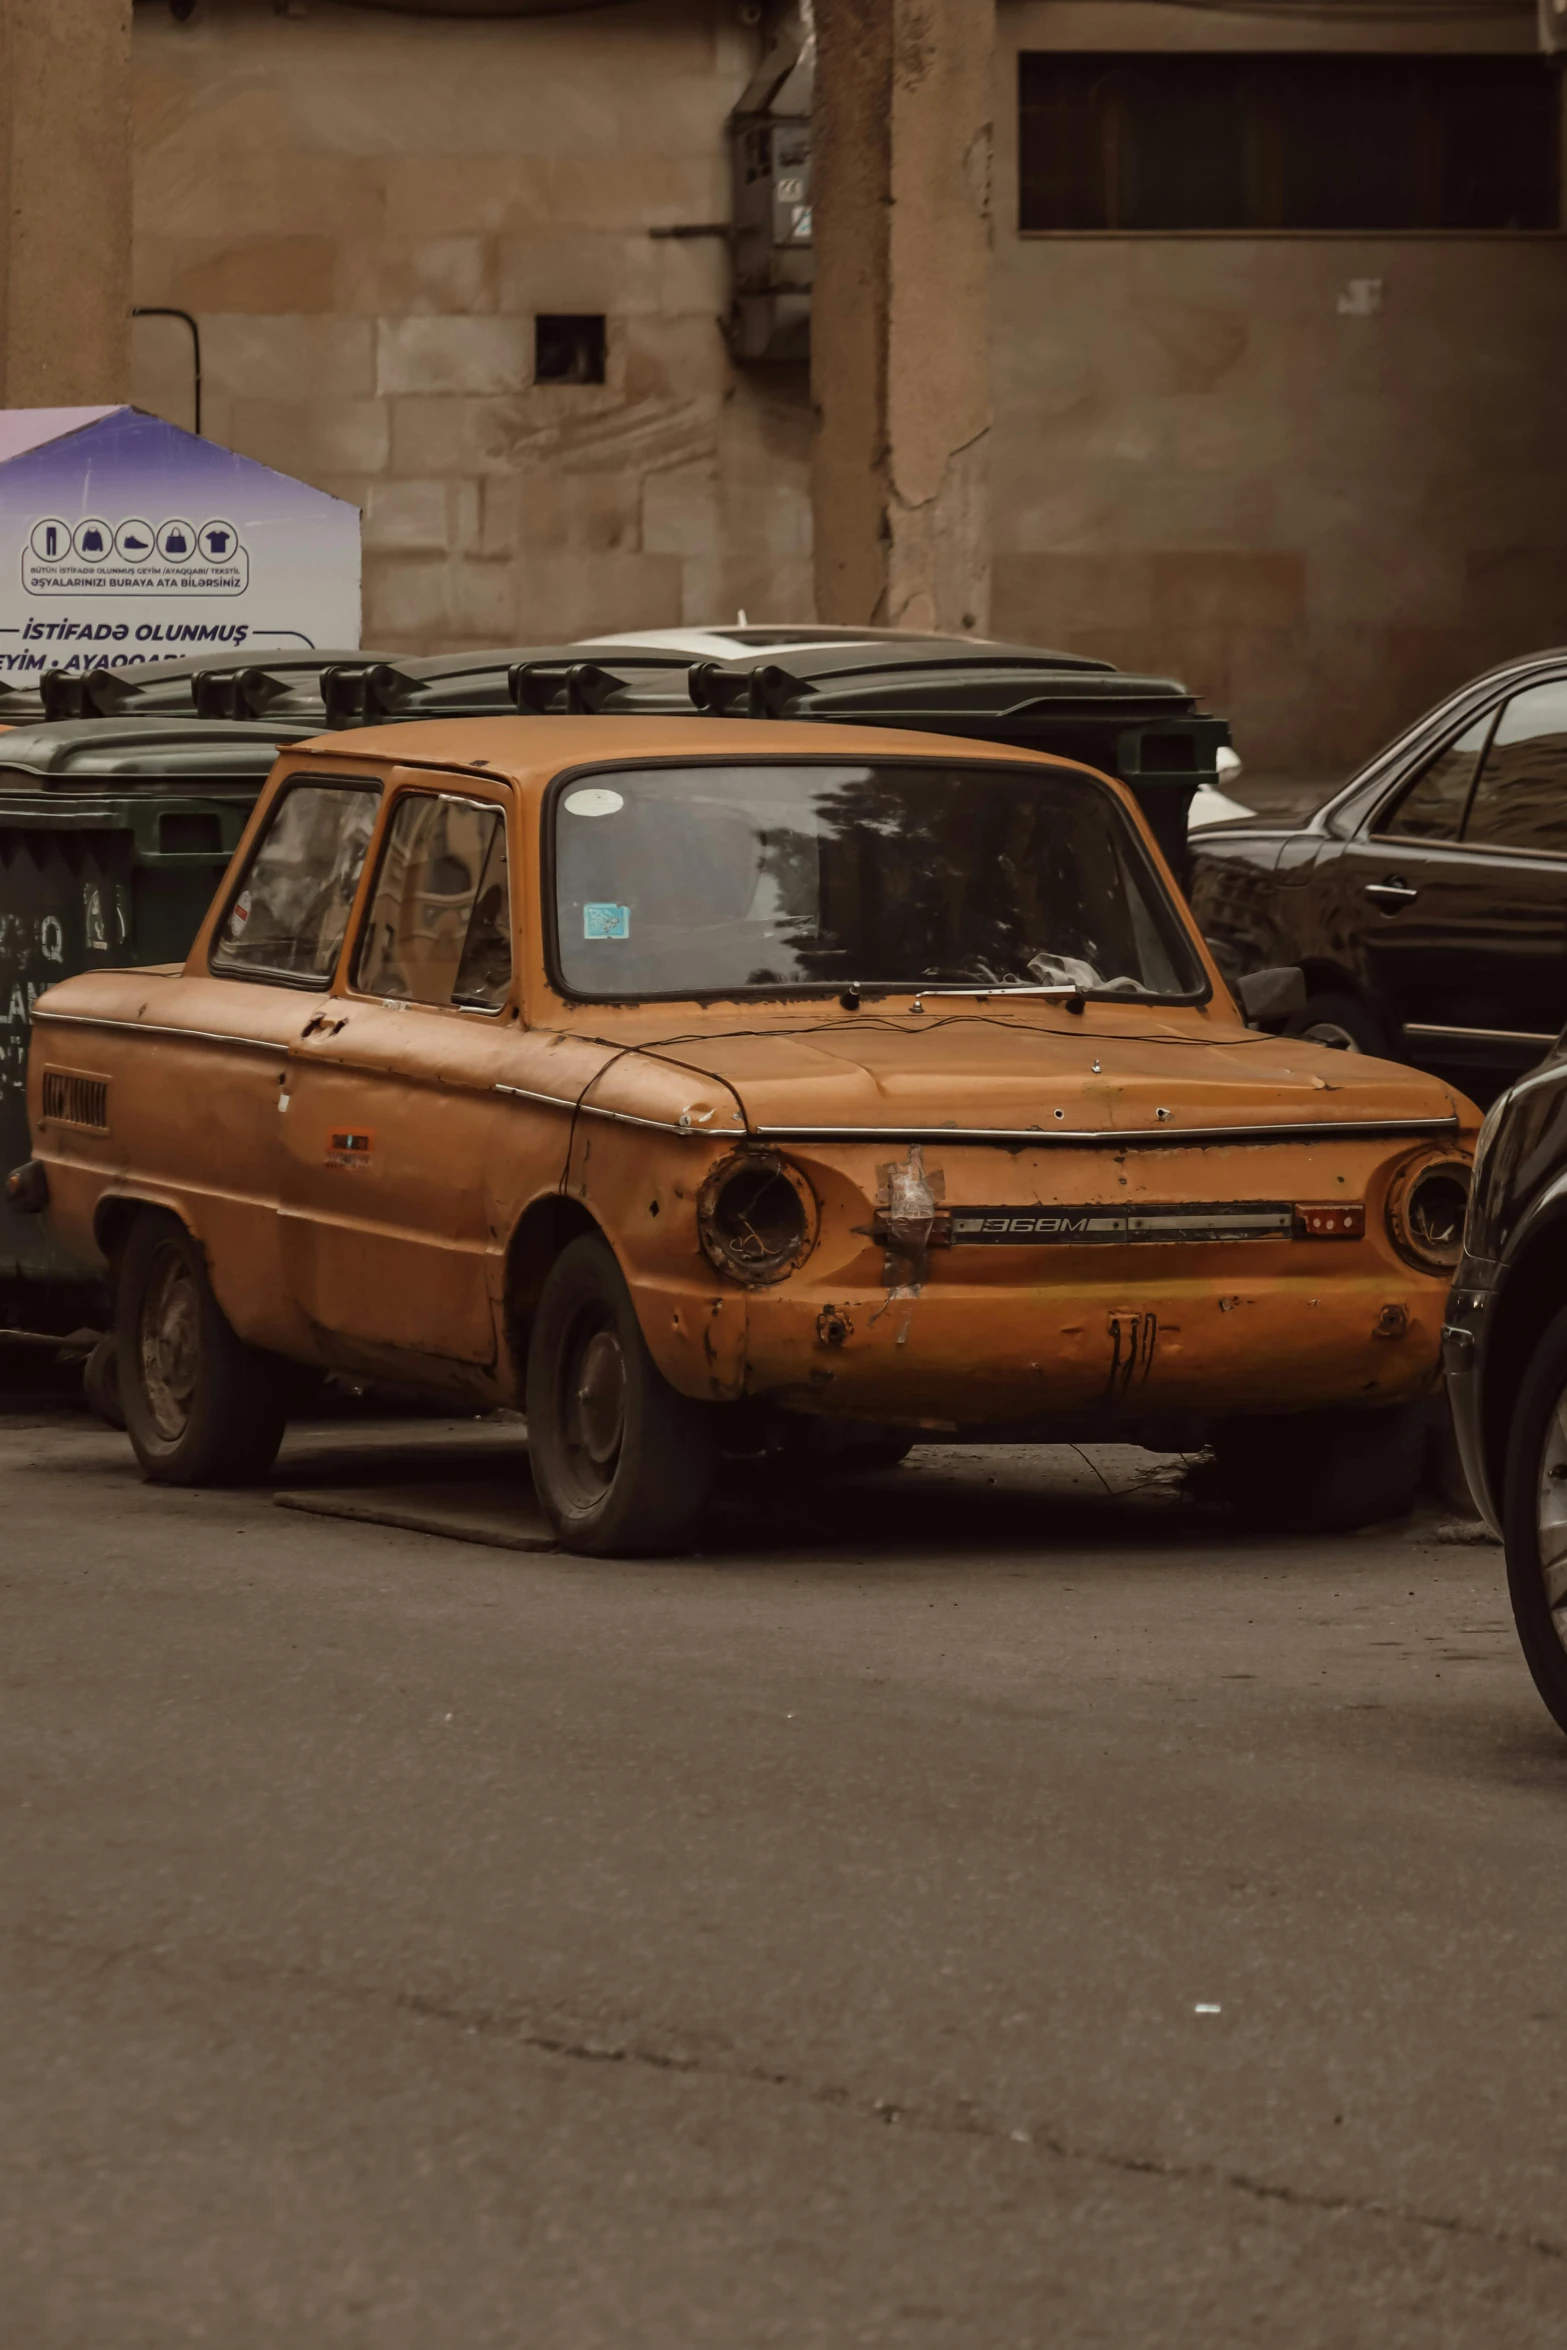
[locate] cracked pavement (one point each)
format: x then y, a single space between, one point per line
991 1904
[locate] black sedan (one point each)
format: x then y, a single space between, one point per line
1427 902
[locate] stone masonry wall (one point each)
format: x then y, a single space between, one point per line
1202 463
1208 461
366 212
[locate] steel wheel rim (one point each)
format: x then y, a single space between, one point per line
593 1416
1329 1032
170 1343
1550 1517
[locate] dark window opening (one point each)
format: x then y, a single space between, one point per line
568 350
1133 141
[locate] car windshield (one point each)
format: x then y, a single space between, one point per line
690 881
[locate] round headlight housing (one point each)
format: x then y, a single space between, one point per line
1426 1207
757 1217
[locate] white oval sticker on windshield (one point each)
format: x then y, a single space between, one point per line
594 800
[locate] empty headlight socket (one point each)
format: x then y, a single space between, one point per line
1426 1204
757 1217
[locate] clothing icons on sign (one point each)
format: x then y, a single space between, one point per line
134 541
51 540
176 542
92 541
216 542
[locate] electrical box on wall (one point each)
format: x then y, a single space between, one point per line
770 150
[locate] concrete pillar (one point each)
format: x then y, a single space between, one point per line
65 189
900 318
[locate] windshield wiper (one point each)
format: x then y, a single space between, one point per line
1063 991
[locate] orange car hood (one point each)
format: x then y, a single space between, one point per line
967 1070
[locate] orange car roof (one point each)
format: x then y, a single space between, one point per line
526 748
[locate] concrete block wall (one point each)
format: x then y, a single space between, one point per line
366 213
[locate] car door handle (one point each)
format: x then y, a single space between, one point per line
1391 892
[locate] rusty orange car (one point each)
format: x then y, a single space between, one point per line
715 1089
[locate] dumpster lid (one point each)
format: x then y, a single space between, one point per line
478 684
963 681
626 675
91 752
207 685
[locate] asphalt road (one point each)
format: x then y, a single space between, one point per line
984 1909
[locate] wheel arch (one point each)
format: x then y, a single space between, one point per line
543 1230
1325 977
117 1211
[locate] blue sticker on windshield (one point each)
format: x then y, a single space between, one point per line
606 921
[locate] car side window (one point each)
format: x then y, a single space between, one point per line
291 911
1520 801
438 928
1432 807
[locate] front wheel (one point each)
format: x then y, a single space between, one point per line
621 1462
201 1407
1534 1517
1322 1472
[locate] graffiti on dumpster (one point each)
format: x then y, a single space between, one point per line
33 948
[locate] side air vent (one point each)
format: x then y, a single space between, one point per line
72 1099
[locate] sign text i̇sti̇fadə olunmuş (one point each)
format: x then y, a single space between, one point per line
124 540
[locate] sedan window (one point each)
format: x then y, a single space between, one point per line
1520 801
439 926
1432 808
288 919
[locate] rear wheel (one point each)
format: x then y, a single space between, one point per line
621 1462
1322 1472
1534 1517
201 1407
1342 1021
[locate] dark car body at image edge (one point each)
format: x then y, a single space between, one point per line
1426 903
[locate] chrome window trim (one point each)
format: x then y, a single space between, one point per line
1478 1035
244 1044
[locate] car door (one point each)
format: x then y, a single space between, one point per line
1461 882
240 1009
387 1241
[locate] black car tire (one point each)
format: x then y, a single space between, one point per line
201 1407
1534 1420
101 1381
1342 1021
1321 1472
622 1463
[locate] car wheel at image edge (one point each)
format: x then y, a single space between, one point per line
1534 1517
621 1462
201 1407
1323 1472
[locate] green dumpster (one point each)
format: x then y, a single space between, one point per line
114 835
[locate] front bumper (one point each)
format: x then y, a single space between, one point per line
1141 1343
1463 1347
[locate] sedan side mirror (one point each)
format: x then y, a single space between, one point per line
1270 998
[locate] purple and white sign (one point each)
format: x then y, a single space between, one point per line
124 539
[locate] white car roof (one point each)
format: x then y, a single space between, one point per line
722 643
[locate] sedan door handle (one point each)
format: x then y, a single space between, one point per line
1391 892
